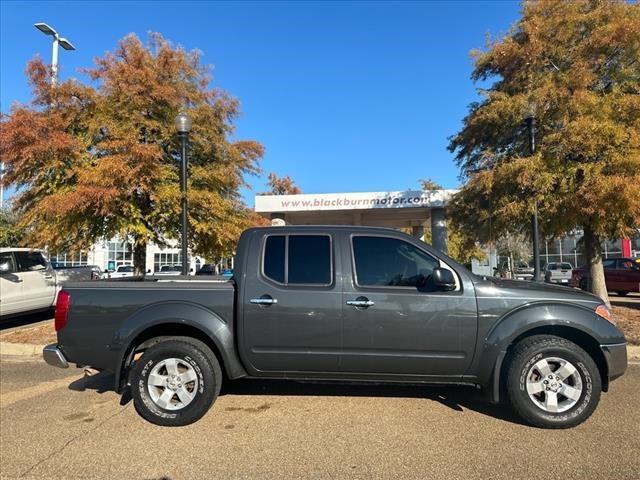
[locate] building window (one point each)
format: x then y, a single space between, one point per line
61 260
119 253
166 259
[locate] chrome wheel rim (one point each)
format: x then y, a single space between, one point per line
554 384
172 384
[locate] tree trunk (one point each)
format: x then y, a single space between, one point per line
593 251
140 256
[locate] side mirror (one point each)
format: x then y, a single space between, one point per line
443 279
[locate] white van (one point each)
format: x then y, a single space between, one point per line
27 281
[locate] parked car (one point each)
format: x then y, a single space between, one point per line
342 303
27 282
121 272
523 271
622 275
170 270
79 273
558 272
207 269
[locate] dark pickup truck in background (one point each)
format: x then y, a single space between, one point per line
342 303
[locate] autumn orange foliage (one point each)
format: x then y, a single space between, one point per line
96 160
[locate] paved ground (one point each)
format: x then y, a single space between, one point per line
56 424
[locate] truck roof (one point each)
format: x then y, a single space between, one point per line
285 228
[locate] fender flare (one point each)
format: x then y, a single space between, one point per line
206 321
527 318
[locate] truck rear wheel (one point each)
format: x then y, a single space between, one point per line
175 382
552 382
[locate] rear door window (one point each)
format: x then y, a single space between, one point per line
298 259
30 261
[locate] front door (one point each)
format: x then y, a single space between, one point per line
293 306
395 321
39 284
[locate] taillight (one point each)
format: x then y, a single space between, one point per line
62 309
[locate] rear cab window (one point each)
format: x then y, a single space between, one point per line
296 259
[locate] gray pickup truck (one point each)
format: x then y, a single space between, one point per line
342 303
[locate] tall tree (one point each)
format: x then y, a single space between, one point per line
462 247
99 160
575 67
281 185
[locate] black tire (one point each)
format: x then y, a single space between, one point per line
524 357
192 354
584 284
623 294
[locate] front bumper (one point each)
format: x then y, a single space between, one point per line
54 356
616 357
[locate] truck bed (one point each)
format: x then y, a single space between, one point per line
111 311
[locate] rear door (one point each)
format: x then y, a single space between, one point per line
292 305
11 300
39 287
405 325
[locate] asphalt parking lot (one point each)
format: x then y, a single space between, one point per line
57 424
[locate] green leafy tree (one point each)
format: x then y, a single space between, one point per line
98 160
10 234
574 66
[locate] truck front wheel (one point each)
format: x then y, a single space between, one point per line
552 382
175 382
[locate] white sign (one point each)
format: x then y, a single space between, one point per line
352 201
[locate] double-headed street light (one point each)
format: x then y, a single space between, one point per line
530 121
57 40
183 127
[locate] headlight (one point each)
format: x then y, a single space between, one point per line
604 312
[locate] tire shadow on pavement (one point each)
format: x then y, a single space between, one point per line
458 398
101 383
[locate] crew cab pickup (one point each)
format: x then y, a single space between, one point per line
342 303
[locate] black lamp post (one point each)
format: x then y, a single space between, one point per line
531 126
183 126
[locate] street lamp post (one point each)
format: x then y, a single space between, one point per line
531 127
57 41
183 126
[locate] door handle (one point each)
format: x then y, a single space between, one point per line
264 300
361 302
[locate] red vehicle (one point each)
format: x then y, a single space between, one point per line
622 275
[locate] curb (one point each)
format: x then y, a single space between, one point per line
20 349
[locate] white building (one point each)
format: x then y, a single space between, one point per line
111 254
